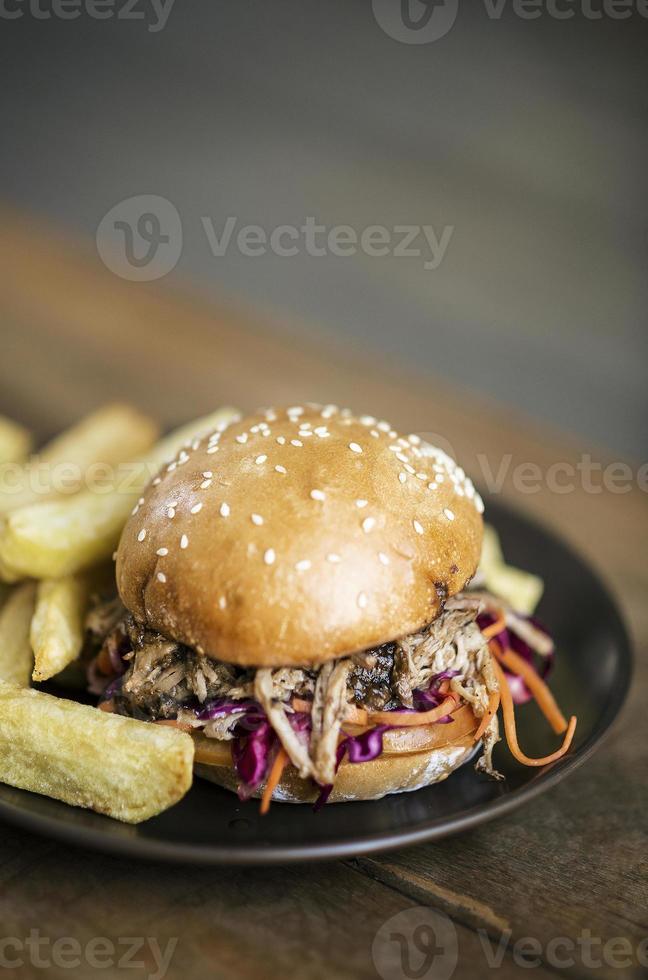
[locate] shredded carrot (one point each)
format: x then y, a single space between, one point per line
493 705
489 632
402 719
172 723
541 693
104 663
278 767
511 733
299 705
108 706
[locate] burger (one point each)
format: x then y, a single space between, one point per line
294 592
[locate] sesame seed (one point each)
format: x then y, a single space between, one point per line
205 484
362 600
271 415
374 433
393 449
304 426
222 602
402 477
196 508
157 481
212 450
208 474
354 447
280 469
303 566
415 440
479 504
367 420
184 541
321 431
161 577
410 469
392 433
257 519
254 428
318 495
384 426
269 556
260 459
368 524
295 410
418 527
296 442
333 558
135 510
449 514
171 512
141 535
224 509
162 552
171 467
383 558
459 491
361 503
281 440
114 556
401 456
421 476
243 438
433 486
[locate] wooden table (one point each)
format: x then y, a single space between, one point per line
73 336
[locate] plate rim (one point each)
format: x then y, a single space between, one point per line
233 854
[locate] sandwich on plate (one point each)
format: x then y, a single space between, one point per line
296 591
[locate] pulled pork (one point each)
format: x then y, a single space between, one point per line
165 680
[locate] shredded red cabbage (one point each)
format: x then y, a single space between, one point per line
508 639
359 748
111 689
255 743
252 756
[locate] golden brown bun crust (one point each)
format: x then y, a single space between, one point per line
362 780
260 550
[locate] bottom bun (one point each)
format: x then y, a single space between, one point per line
362 780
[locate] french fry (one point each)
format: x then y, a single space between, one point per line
521 589
127 769
109 436
16 658
60 537
57 627
15 441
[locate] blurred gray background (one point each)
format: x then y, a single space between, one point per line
526 137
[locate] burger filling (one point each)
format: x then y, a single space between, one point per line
307 712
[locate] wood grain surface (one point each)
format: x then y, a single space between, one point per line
576 859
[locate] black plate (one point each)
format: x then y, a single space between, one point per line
210 826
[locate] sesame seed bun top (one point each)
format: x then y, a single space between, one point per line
298 535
